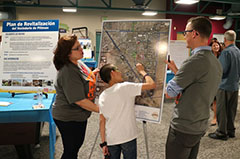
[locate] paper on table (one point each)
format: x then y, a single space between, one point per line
4 104
39 106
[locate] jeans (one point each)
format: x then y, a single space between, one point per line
129 150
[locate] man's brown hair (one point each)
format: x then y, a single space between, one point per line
202 25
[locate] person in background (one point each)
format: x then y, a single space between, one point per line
216 50
216 47
195 84
74 95
213 39
222 45
117 113
227 95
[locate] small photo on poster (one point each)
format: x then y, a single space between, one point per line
6 82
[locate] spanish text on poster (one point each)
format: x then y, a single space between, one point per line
26 57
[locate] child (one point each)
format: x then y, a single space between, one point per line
117 114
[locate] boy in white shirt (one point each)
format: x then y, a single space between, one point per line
117 114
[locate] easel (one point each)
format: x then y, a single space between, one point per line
79 30
145 137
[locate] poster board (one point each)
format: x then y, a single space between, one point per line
26 57
86 45
126 43
220 37
178 51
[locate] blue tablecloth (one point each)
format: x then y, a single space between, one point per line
170 75
21 111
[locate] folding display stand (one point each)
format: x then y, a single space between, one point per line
95 141
79 30
145 137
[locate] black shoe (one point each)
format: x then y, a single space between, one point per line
213 124
231 135
217 136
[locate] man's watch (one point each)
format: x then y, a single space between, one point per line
103 144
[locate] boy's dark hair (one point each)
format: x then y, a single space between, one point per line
105 72
201 25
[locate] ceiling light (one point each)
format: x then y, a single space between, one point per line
217 17
3 15
69 9
150 13
233 13
186 1
24 1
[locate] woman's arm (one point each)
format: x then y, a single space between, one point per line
88 105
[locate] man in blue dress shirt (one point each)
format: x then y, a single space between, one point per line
227 95
195 84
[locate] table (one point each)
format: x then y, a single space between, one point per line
89 62
21 111
170 75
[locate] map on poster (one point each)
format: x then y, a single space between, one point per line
126 43
26 56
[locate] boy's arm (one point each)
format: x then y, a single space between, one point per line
149 84
102 127
102 133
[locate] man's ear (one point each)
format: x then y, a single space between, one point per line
112 74
196 34
224 40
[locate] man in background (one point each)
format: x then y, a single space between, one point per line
227 95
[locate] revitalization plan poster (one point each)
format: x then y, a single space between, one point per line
126 43
26 55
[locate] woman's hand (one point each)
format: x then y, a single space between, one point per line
95 71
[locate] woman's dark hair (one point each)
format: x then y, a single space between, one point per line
105 72
214 39
220 47
63 50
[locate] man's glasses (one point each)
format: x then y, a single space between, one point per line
77 48
185 32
